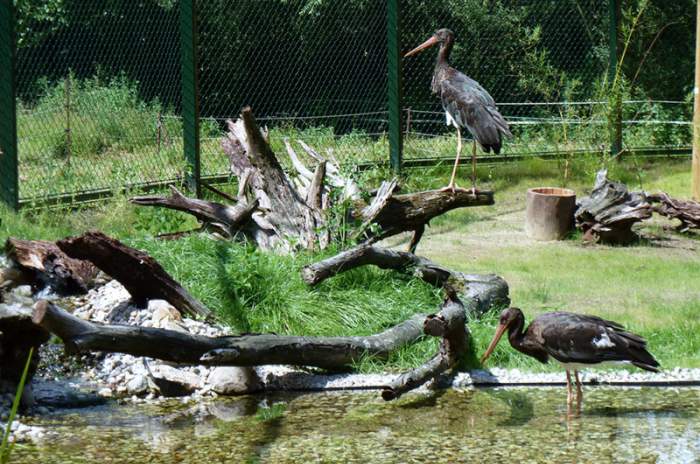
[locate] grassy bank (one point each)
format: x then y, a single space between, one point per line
650 287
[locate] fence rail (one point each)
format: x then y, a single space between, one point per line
101 96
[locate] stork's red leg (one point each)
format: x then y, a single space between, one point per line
451 185
569 391
579 390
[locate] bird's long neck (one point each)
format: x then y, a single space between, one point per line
442 65
443 58
516 332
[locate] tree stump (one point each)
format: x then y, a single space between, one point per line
285 212
609 213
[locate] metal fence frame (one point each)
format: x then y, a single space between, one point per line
9 180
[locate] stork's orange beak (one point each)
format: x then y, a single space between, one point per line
500 330
433 40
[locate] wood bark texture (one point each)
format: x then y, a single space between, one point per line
609 213
140 274
44 264
686 211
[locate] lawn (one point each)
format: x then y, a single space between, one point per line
651 287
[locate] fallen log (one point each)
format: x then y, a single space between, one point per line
609 213
141 275
686 211
332 353
43 264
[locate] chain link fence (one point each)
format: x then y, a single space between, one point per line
99 84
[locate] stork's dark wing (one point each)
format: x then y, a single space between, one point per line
471 106
577 338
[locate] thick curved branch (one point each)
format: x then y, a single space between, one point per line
229 218
450 324
365 254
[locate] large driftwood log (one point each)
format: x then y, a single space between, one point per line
686 211
609 213
286 211
335 353
140 274
43 264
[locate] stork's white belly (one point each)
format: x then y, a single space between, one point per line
449 120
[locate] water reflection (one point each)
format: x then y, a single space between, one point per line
615 425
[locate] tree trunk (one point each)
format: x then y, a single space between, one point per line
140 274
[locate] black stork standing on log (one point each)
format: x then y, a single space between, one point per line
574 340
466 103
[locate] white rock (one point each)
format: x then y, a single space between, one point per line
137 385
105 392
230 380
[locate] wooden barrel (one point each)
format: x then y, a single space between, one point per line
549 213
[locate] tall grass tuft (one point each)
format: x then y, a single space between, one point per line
6 446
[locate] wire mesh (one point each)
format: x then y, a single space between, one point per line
98 97
310 70
99 92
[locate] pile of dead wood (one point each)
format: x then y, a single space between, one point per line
466 296
285 212
609 212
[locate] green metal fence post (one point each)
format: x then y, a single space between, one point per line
615 100
190 93
395 84
9 185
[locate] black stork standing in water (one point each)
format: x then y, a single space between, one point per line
574 340
466 103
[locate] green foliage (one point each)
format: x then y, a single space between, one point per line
5 446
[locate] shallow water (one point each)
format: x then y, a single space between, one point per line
486 425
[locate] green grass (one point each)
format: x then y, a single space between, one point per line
5 445
651 287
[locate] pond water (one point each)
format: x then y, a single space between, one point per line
484 425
